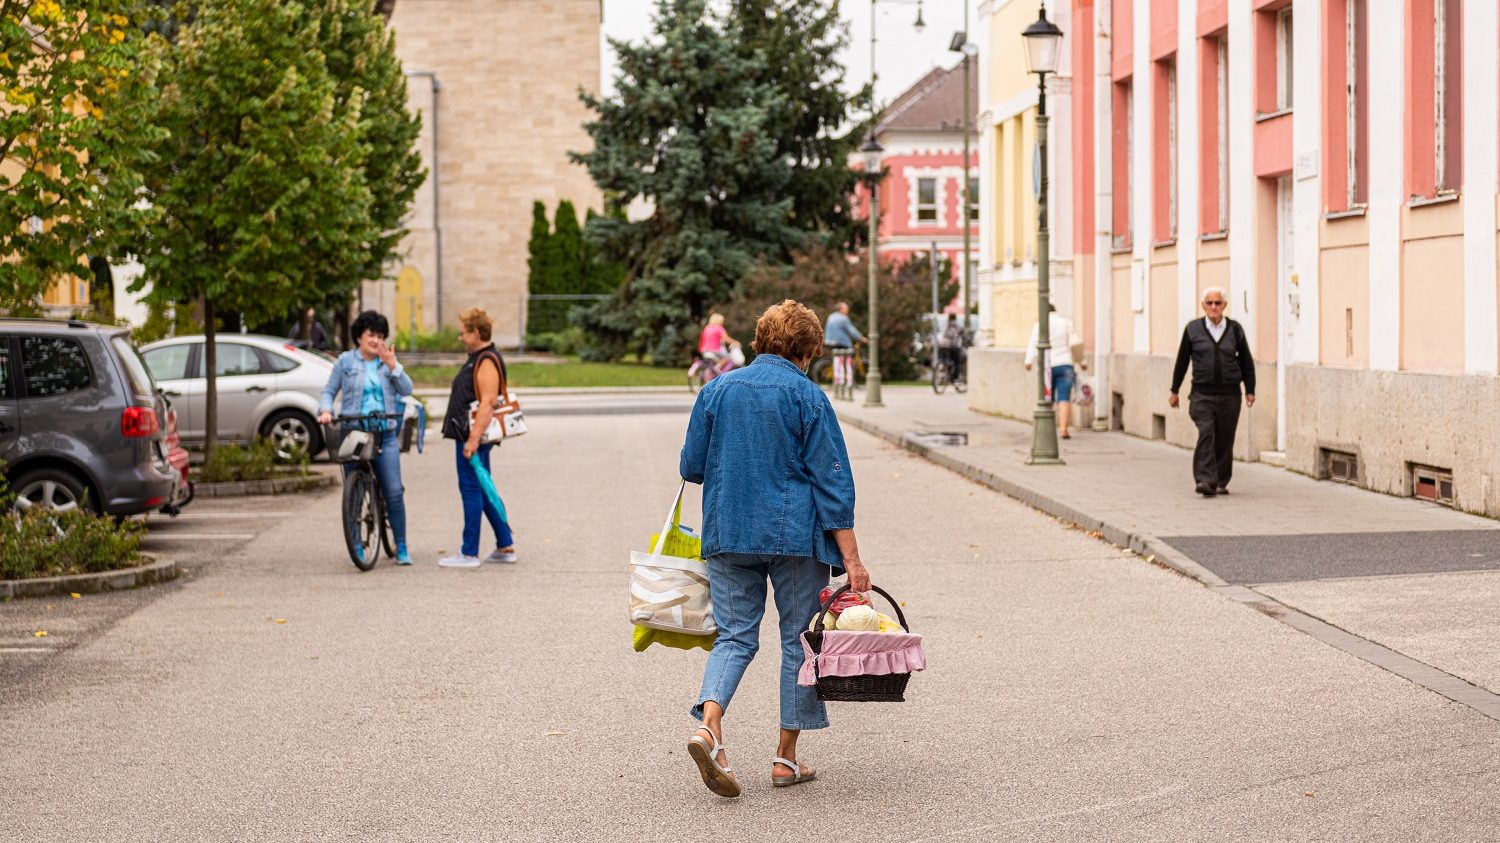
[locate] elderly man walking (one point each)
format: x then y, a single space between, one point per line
1220 354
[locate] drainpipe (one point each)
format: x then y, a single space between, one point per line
1104 280
437 205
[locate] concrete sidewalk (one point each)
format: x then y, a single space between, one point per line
1405 584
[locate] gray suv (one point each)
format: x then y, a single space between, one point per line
80 419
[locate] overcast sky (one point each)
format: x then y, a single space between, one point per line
903 54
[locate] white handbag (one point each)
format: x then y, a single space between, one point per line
671 592
507 422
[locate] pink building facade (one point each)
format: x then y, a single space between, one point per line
1334 167
922 195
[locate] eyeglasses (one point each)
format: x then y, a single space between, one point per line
1213 304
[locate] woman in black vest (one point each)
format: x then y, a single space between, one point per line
1220 354
478 380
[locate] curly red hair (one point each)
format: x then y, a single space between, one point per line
789 329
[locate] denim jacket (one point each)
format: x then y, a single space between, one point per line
765 444
348 377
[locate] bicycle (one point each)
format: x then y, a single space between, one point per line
366 528
703 370
948 371
821 370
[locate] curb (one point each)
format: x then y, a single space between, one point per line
159 571
274 486
549 391
1145 544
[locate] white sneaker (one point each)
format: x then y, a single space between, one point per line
501 556
458 560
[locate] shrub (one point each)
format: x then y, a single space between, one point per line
822 277
42 543
443 339
257 461
567 342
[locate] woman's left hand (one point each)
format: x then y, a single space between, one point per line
388 356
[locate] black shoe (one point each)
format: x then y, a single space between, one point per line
1222 490
1205 490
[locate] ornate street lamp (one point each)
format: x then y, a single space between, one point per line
1043 45
871 153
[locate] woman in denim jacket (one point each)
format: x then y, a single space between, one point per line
778 504
371 381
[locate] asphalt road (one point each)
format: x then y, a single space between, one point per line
1074 692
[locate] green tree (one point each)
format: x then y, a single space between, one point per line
687 130
259 178
360 54
73 85
794 47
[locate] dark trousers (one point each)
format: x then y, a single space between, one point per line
1216 417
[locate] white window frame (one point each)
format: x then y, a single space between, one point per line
1130 163
935 207
1440 97
1351 99
1223 134
1172 148
1285 69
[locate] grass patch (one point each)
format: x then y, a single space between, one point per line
572 373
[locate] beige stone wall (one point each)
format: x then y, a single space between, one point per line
1391 420
507 115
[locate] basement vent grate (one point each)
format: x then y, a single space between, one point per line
1340 467
1432 484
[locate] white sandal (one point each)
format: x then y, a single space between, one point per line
796 778
705 754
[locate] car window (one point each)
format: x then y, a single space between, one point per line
278 363
169 362
235 359
6 389
54 366
135 368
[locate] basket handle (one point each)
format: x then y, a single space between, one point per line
900 616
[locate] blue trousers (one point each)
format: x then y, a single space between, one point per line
737 583
475 501
388 472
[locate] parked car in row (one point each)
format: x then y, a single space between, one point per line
267 387
80 419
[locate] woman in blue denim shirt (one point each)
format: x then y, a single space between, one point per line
778 504
371 381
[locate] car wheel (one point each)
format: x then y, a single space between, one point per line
52 488
290 431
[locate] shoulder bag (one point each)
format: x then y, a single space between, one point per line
507 421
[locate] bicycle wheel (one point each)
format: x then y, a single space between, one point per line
361 517
696 377
940 377
387 538
821 372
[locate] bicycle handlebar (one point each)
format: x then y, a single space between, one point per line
369 417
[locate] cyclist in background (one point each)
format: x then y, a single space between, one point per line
951 345
840 333
713 343
371 381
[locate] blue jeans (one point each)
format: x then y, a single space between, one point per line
474 501
388 472
737 583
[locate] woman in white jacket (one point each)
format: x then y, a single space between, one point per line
1060 359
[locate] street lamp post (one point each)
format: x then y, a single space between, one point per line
960 43
871 152
1043 41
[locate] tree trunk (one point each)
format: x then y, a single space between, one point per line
210 371
304 327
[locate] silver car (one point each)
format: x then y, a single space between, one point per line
267 387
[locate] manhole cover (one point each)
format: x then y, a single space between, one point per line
939 437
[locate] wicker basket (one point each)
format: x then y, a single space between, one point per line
890 687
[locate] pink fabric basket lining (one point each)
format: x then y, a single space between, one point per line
863 654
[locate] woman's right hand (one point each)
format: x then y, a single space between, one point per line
859 575
325 417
